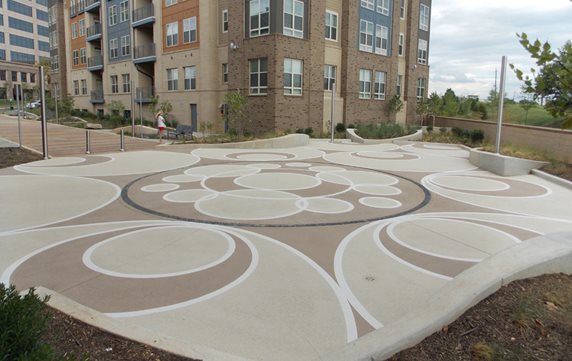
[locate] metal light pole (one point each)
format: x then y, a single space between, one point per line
132 109
333 110
141 112
18 110
43 109
56 99
501 103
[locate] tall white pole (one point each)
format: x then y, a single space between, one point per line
332 117
43 109
56 98
132 110
501 103
141 112
18 88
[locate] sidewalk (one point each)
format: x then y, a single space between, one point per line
65 141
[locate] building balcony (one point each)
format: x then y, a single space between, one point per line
144 54
144 95
94 32
92 6
97 97
145 15
95 63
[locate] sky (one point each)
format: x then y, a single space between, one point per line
469 38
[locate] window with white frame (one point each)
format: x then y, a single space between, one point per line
81 24
225 73
424 17
329 77
113 48
368 4
170 2
112 15
293 76
420 88
76 57
84 87
225 21
401 48
331 25
399 84
124 11
402 9
172 34
364 84
82 56
74 30
258 76
190 77
379 85
125 45
55 62
381 39
173 79
422 52
126 80
76 87
190 30
114 84
366 36
383 7
259 17
294 18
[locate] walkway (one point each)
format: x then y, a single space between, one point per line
66 141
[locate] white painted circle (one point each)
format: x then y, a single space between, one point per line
441 147
164 187
265 166
380 202
325 168
57 162
358 177
377 190
298 165
464 183
160 252
262 157
278 181
380 155
183 178
327 205
189 195
221 171
334 177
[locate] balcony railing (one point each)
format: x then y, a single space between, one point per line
94 32
92 5
97 97
144 15
95 62
144 53
144 94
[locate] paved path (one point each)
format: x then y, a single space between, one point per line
265 254
65 141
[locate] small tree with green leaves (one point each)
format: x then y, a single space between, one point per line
237 116
395 104
116 107
422 109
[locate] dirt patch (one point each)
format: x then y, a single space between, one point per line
561 170
68 336
10 157
526 320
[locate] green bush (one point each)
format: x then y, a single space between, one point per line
340 127
351 126
384 130
477 136
300 131
309 131
429 129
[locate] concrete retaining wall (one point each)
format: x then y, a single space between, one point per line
557 143
287 141
352 135
502 164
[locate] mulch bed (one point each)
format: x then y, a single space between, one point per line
13 156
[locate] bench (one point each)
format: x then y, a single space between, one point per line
184 130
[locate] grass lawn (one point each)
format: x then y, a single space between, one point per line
537 116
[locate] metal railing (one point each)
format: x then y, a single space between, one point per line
96 60
89 3
144 12
97 96
144 94
144 51
94 30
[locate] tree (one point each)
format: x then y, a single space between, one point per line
450 103
237 116
526 105
395 104
422 109
551 83
116 107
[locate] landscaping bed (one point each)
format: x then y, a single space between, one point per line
13 156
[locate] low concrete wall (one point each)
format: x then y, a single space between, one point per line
287 141
352 135
557 143
502 164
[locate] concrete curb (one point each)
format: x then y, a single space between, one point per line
138 334
351 134
287 141
552 178
540 255
503 165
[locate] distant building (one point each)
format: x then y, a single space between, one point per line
285 55
24 42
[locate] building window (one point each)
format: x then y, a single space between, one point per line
124 11
422 52
402 9
76 57
18 24
379 85
74 30
125 45
114 84
258 76
125 79
14 76
381 39
80 6
21 41
225 21
23 77
172 34
81 24
170 2
331 25
401 49
54 39
76 87
383 7
2 75
368 4
424 17
294 18
112 15
82 56
190 30
293 76
259 17
225 73
190 77
113 49
173 79
364 84
55 63
19 8
84 87
399 84
420 88
329 77
366 36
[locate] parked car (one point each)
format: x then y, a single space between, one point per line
34 104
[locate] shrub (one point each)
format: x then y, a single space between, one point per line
340 127
477 136
309 131
351 125
429 129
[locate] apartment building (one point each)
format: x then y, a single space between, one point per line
24 42
56 24
286 56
